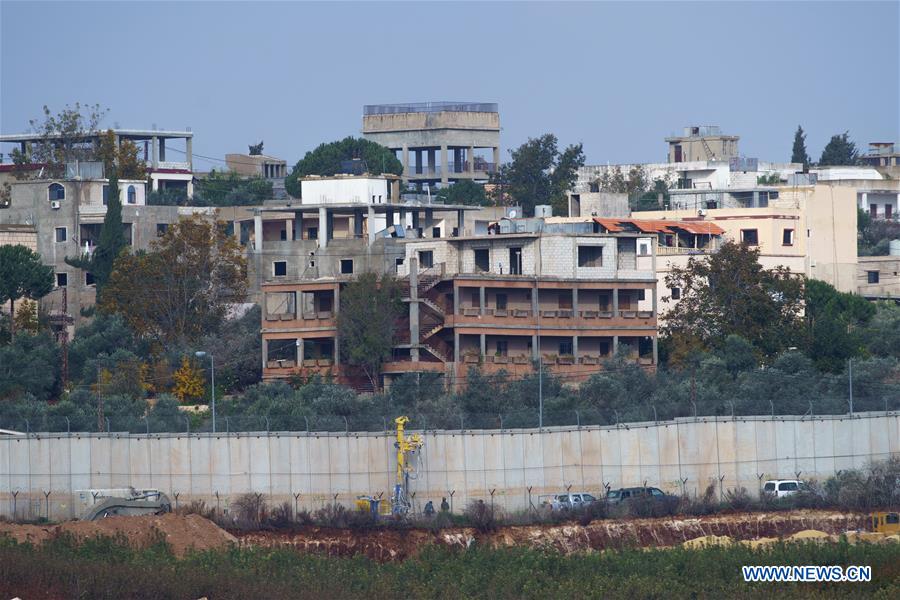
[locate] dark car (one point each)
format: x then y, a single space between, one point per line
643 501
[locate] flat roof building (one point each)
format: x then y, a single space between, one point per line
702 142
438 142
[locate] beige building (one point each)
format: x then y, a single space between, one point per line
811 230
257 165
702 142
878 277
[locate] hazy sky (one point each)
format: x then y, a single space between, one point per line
617 77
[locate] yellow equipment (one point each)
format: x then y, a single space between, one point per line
400 501
885 522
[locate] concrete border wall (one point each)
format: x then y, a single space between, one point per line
40 474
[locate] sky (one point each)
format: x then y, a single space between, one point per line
616 77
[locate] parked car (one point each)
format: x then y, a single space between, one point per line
569 501
781 488
634 493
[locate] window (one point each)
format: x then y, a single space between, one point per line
787 237
398 261
642 295
644 248
476 299
346 266
888 211
435 232
750 237
501 301
872 276
564 300
161 229
892 518
105 195
590 256
426 259
873 211
283 234
565 348
676 293
62 279
312 233
769 487
88 278
61 234
482 260
502 348
132 195
515 261
279 268
595 187
788 486
56 192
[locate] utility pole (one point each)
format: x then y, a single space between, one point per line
99 398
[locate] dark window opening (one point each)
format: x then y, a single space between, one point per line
312 233
105 195
787 237
279 268
515 261
62 279
750 237
642 294
590 256
346 266
161 229
502 348
482 260
565 348
88 279
872 276
283 235
501 301
56 192
132 195
61 234
676 293
426 259
435 232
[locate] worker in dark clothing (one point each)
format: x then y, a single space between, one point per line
429 509
445 507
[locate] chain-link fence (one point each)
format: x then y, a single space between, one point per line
639 412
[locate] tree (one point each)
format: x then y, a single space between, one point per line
182 287
835 325
539 173
64 137
29 365
122 158
839 151
798 153
366 322
256 149
230 189
188 382
464 191
112 241
327 159
22 275
727 293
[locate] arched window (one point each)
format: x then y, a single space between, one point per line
132 195
56 192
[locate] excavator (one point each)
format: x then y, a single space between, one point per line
99 504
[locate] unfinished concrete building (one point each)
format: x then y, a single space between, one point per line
702 142
532 290
438 142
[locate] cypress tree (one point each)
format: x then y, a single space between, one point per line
799 154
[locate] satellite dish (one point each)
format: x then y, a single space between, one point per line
513 214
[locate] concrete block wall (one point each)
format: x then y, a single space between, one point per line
41 474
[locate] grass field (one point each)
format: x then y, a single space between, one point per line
108 568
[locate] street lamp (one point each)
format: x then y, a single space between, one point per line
212 383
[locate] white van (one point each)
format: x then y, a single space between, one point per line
781 488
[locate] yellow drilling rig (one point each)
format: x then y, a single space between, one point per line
407 447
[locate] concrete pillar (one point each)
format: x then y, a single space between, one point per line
155 144
370 223
444 166
403 218
460 222
162 149
337 350
535 303
481 301
755 199
323 227
575 348
265 352
289 229
615 307
575 302
655 351
496 158
535 348
299 352
654 293
615 345
865 201
257 233
404 160
470 159
456 346
414 309
236 231
429 222
336 306
189 152
456 309
482 340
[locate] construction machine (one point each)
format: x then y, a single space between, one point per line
101 503
407 447
885 522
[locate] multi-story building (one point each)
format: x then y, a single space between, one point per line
163 172
877 191
878 277
448 141
260 165
881 154
700 143
548 290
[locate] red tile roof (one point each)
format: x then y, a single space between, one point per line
659 226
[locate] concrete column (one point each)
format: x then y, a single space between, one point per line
337 350
323 227
756 199
404 160
497 158
189 152
615 345
456 309
444 166
289 229
257 233
535 349
470 160
299 352
575 348
265 352
155 144
370 223
615 309
655 351
456 346
414 309
429 222
535 303
162 149
481 301
460 222
403 218
236 230
654 292
298 226
865 201
483 342
336 308
575 302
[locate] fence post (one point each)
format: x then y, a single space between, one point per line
383 422
267 423
694 404
617 417
307 424
27 427
108 427
147 423
187 425
462 426
47 498
68 427
346 426
772 406
15 496
296 500
577 419
227 430
500 416
452 493
731 402
655 418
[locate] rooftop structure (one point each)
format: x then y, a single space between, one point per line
702 142
449 141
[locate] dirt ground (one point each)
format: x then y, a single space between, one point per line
181 532
194 531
